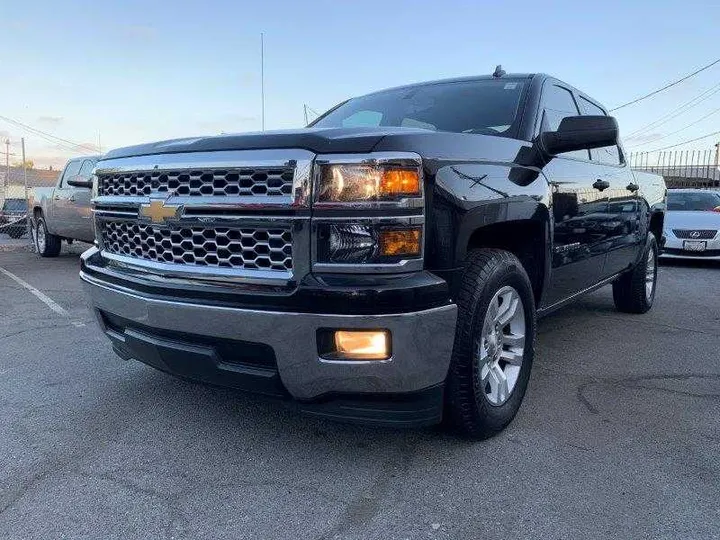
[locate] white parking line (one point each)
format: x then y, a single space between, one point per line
49 302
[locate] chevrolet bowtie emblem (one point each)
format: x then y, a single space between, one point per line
158 211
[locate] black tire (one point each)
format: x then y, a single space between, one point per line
16 232
630 291
52 244
467 409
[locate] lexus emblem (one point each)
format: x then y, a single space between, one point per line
695 234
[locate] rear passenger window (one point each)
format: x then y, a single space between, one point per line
607 154
558 103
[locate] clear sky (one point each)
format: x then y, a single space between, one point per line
135 71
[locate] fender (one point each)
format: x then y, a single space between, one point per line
469 196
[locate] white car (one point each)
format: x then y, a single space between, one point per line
692 224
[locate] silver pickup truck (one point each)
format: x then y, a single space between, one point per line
63 212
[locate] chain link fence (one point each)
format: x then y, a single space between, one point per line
14 196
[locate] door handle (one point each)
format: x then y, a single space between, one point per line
56 198
71 199
601 184
632 187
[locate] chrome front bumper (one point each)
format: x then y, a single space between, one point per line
673 249
421 341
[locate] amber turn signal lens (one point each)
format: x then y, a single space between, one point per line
362 344
400 182
394 242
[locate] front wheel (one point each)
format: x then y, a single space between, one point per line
46 244
16 232
634 291
494 344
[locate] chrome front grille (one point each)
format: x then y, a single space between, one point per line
226 215
229 182
224 247
695 234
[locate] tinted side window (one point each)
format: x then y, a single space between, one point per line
87 167
607 154
558 103
72 169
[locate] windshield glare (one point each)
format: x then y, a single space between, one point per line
488 107
693 201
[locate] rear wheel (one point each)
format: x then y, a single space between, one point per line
634 292
16 232
494 342
46 244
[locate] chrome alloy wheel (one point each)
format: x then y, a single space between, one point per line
501 348
40 237
650 275
33 233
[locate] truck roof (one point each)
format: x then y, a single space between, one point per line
456 79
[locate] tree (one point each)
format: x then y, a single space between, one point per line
28 163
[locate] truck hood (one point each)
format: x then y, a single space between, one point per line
318 140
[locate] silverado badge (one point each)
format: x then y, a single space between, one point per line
157 211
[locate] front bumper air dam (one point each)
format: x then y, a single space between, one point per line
411 379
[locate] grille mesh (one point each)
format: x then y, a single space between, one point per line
244 248
702 234
244 182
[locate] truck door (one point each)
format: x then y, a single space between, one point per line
622 222
579 206
58 219
79 211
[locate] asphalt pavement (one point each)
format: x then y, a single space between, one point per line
618 437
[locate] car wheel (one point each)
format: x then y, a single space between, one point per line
634 291
494 345
47 245
16 232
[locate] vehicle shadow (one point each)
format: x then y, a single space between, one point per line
688 263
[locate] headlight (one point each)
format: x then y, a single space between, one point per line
369 180
368 243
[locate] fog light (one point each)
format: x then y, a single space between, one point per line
354 344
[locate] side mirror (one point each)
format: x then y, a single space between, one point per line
80 181
581 133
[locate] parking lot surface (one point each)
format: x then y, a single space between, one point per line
618 437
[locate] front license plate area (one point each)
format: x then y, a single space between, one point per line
694 245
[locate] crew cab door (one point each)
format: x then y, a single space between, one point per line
79 224
579 205
58 219
622 221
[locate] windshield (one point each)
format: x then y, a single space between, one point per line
15 205
693 201
488 106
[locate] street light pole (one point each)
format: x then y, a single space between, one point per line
262 78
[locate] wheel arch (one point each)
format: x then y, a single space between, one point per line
527 236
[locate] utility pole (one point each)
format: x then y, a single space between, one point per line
7 162
24 166
262 77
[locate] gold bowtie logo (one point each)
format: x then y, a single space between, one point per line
158 211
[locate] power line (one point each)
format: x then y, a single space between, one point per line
715 111
654 92
707 94
65 143
686 142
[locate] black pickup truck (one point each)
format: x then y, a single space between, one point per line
384 265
